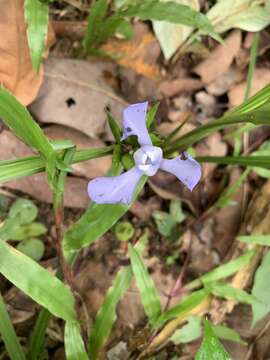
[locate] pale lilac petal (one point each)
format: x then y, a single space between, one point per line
134 123
188 171
115 189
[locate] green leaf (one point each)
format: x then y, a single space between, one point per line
148 292
227 269
184 307
25 211
190 332
171 36
229 292
107 313
252 161
95 222
226 333
34 248
170 12
74 346
125 29
165 222
98 12
21 232
262 151
17 168
8 334
225 198
255 110
36 15
19 120
211 348
36 282
37 338
176 211
115 128
151 114
263 240
260 290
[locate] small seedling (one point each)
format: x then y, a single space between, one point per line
124 231
20 226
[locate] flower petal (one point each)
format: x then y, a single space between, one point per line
115 189
134 123
186 170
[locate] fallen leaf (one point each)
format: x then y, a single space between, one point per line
226 81
220 59
16 73
179 86
260 79
75 94
140 54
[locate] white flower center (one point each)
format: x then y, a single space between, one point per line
148 159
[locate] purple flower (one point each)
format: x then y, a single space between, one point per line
148 160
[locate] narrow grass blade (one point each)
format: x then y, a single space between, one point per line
148 292
37 338
74 346
8 334
263 240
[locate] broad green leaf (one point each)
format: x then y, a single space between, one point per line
165 222
95 222
37 18
109 28
176 211
34 248
74 346
226 333
243 14
148 292
94 22
27 231
25 211
19 120
227 269
190 332
171 36
171 12
8 334
184 307
36 282
229 292
106 315
211 348
37 338
261 289
263 240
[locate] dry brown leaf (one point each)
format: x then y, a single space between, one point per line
226 81
140 54
16 73
260 79
75 94
179 86
220 59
